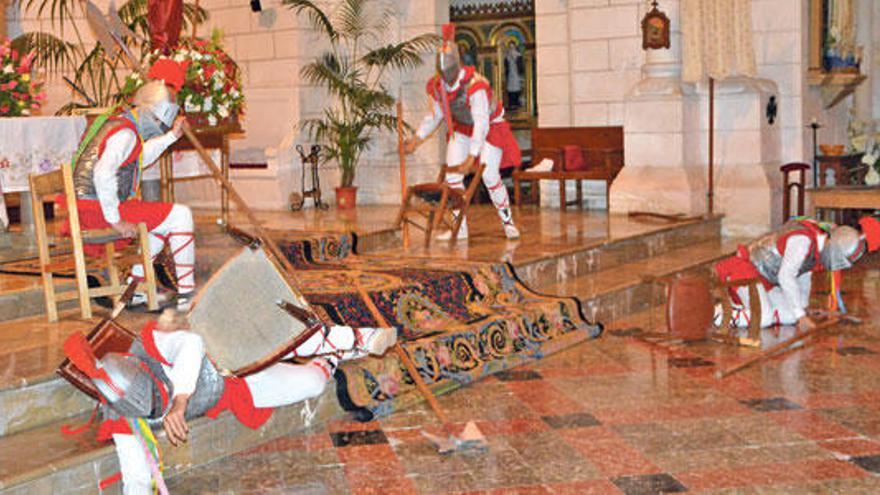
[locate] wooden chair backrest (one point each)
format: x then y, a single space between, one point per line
477 179
53 183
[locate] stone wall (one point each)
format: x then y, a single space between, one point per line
590 65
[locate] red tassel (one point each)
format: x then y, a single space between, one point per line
449 32
80 353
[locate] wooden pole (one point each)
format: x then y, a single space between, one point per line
401 153
770 352
711 194
407 362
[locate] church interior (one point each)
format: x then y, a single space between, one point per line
439 246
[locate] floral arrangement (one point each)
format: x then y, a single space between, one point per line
19 93
865 139
213 81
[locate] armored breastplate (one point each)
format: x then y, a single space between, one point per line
84 168
765 255
209 386
460 107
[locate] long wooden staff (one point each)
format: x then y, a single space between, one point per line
401 154
771 351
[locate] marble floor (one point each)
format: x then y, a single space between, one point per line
616 415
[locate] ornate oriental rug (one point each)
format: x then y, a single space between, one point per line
459 322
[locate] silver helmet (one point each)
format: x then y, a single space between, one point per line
448 61
130 390
157 109
844 247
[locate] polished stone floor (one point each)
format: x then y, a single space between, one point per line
616 415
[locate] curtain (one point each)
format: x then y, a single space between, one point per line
717 39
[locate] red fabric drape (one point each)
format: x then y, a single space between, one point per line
165 18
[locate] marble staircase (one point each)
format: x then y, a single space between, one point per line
608 277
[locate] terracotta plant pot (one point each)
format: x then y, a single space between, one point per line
346 197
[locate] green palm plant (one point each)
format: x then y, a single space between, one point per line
99 78
352 71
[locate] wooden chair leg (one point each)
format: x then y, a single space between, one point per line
113 271
404 207
563 203
580 193
535 189
517 193
45 259
149 272
755 312
82 284
439 212
429 228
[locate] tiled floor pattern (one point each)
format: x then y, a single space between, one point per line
615 415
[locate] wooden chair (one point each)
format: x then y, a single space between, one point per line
440 211
61 181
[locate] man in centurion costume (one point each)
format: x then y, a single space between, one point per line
107 173
167 379
785 260
475 128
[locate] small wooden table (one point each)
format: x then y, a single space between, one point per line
843 198
216 137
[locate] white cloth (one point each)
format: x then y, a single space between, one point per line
278 385
717 39
786 303
34 145
119 146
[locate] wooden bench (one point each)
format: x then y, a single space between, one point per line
602 150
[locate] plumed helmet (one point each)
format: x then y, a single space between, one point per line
844 247
157 109
128 387
448 62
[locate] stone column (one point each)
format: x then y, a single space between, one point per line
666 136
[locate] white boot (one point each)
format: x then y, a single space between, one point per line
462 233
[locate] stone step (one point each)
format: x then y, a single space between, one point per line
617 250
626 289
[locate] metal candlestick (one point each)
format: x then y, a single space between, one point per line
297 201
815 127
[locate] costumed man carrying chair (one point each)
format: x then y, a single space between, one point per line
475 128
167 379
784 261
107 175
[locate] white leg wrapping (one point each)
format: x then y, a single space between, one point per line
774 308
136 477
491 158
177 231
282 384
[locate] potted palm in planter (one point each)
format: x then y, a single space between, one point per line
351 70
